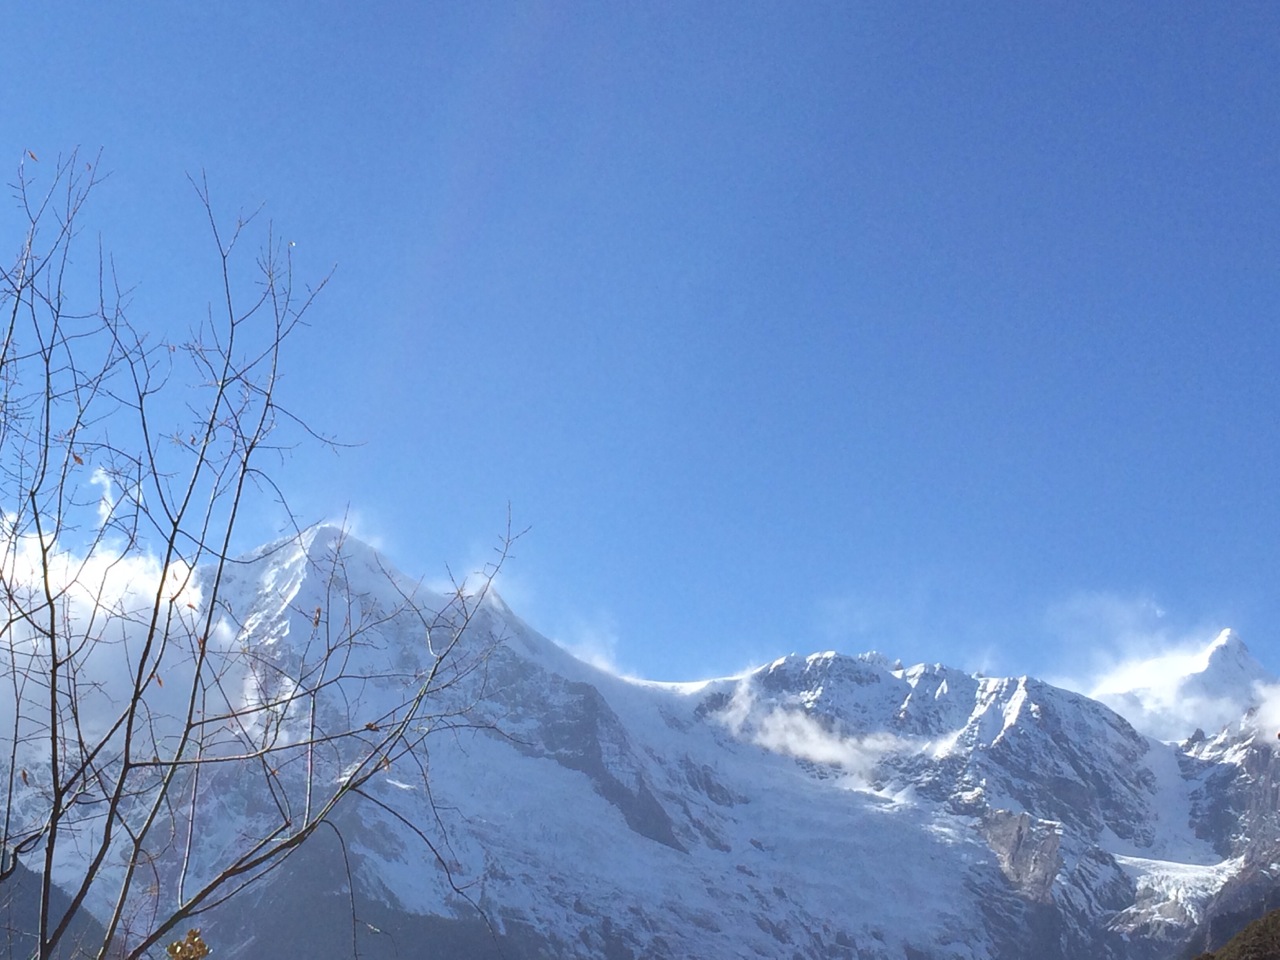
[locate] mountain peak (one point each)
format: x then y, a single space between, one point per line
1171 694
822 805
1227 637
1225 666
1227 648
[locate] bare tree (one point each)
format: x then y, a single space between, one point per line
136 696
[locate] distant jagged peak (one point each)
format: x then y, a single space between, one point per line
328 541
805 668
328 549
1228 654
1227 638
1224 665
312 566
315 544
1171 694
311 552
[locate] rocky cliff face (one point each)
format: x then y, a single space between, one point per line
823 806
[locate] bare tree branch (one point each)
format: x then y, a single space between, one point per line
142 697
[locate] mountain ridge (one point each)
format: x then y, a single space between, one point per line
818 806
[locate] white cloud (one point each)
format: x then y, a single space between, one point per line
106 503
1164 709
103 607
1266 719
1105 638
1131 655
796 733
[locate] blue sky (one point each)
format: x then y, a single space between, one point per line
948 330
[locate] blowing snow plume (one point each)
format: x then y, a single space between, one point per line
1170 695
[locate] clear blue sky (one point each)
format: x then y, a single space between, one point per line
944 329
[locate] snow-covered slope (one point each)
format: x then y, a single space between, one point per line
822 806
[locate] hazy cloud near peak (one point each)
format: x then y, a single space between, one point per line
594 641
1135 657
1094 621
1266 719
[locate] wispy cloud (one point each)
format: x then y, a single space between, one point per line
358 525
1102 620
594 641
103 603
480 568
1131 654
1102 637
107 502
794 732
1266 719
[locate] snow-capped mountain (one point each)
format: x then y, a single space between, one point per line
822 806
1215 685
